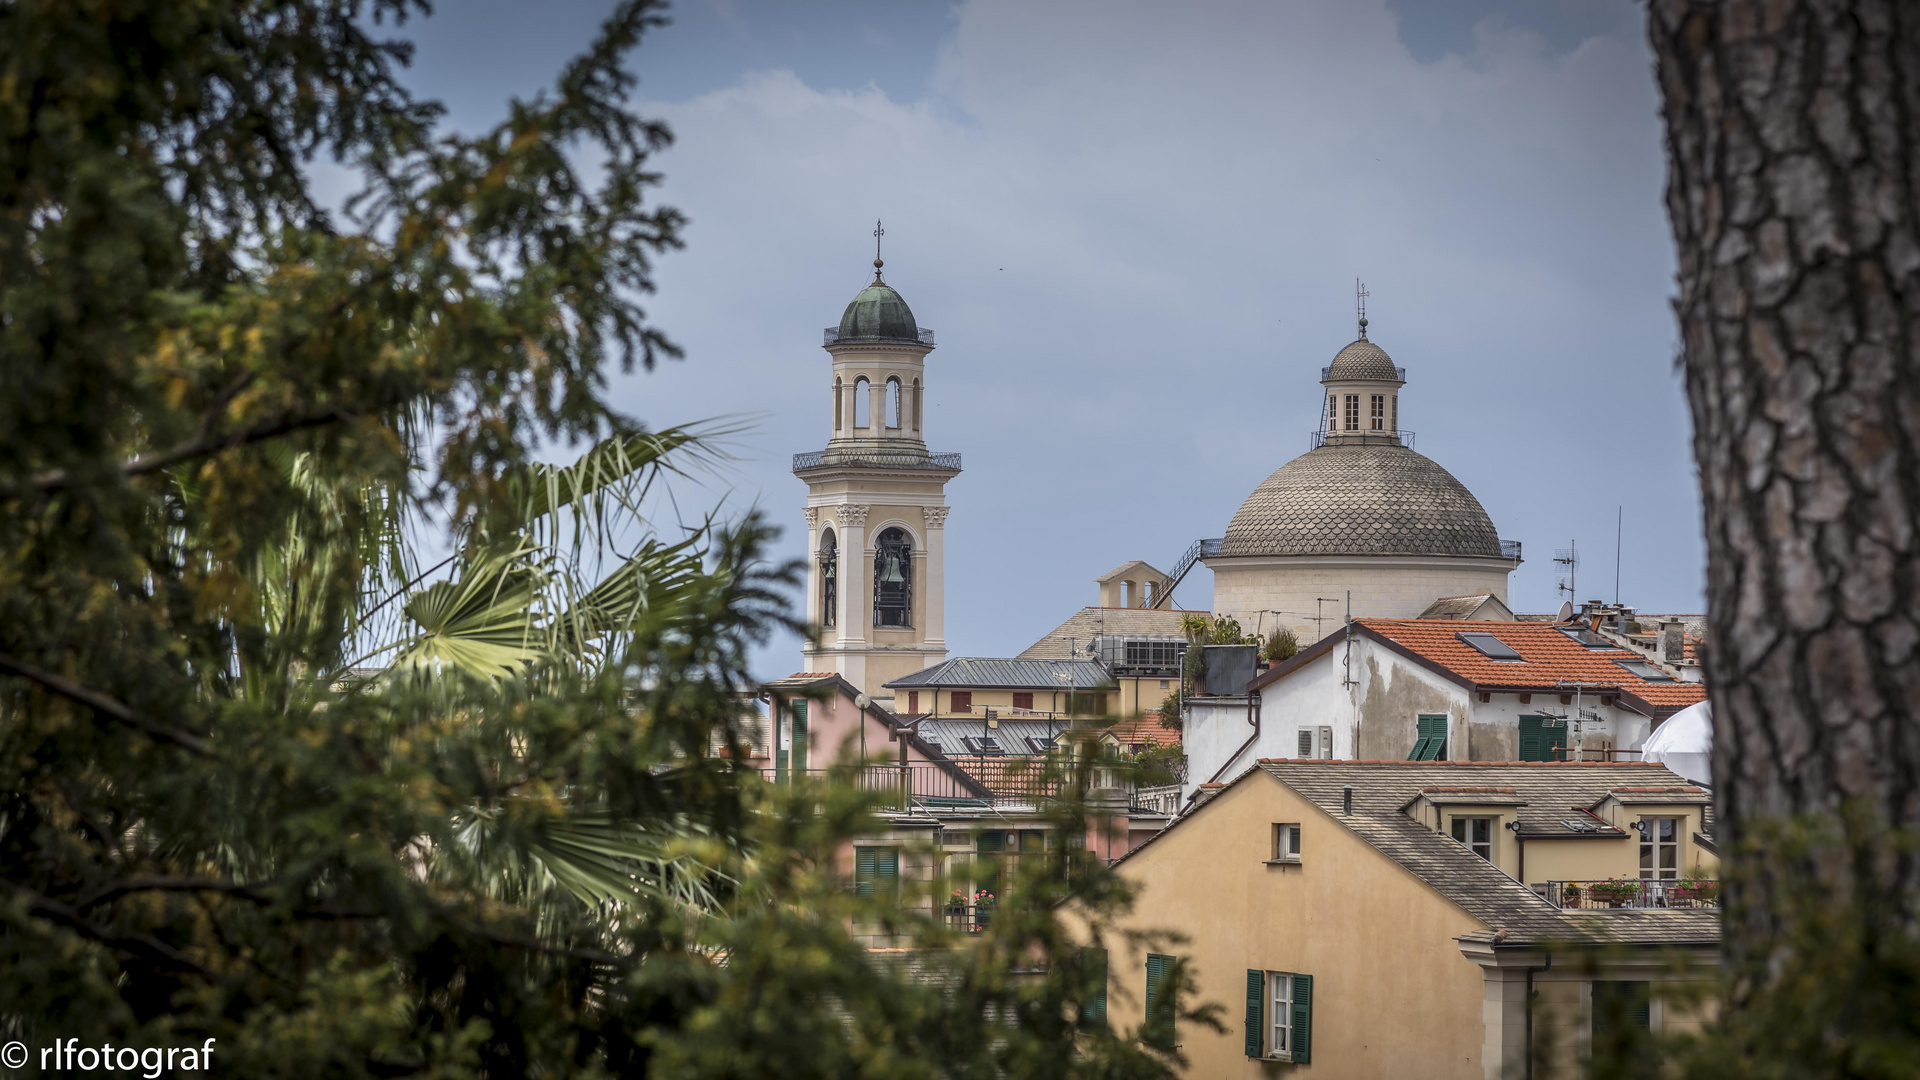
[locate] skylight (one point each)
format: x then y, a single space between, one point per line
1039 745
1647 672
1590 639
1491 647
985 744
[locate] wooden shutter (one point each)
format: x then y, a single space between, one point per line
960 701
886 871
865 861
1256 1011
1302 1019
1093 1000
800 738
779 746
1159 1025
1430 741
1530 732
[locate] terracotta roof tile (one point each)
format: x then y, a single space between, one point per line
1547 657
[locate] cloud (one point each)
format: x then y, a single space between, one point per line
1136 230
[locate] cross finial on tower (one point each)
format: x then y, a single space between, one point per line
1360 295
878 232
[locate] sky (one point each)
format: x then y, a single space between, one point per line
1136 228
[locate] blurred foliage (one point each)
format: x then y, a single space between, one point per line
268 777
1281 645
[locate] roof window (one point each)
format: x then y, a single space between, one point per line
1644 671
984 744
1590 639
1040 745
1491 647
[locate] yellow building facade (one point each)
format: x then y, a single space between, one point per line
1336 897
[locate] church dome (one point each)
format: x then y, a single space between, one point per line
1372 499
1362 360
879 314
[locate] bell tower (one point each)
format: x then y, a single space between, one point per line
876 502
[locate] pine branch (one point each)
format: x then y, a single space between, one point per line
104 705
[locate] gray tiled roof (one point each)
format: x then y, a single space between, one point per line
1362 360
1361 500
1381 789
1091 622
983 673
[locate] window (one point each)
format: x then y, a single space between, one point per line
1589 639
913 703
1333 412
1279 1016
1023 701
1093 998
1158 1032
1644 671
1430 739
829 578
961 700
1476 833
839 391
1660 848
876 871
1286 843
893 403
862 401
1542 738
916 427
1163 684
893 579
1396 412
1618 1006
984 745
1490 646
1353 412
1038 744
1377 413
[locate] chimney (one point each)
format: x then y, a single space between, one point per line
1346 798
1673 641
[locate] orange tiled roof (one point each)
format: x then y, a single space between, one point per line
1144 728
1547 656
811 675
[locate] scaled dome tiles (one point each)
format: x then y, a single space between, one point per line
1361 500
879 314
1362 360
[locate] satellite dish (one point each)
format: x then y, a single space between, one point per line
1566 611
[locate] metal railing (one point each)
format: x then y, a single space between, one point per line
1402 437
969 918
1510 549
831 336
1631 894
1201 549
876 459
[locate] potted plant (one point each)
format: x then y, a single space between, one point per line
983 902
1615 892
1696 890
1570 896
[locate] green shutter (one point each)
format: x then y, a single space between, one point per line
779 747
1430 742
1159 1026
799 738
864 860
1538 741
1256 1011
1093 1000
1302 1019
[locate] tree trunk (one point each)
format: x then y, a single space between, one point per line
1793 139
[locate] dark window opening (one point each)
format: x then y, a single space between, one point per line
1023 701
893 580
960 701
829 578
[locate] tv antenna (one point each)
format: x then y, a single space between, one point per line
1569 557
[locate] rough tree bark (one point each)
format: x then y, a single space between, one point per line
1793 139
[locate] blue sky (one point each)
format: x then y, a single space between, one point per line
1135 228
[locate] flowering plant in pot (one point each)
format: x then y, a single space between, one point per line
1615 891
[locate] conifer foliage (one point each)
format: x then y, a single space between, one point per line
265 777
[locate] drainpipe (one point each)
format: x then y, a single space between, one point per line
1520 845
1253 717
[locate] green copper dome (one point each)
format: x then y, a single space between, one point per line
879 314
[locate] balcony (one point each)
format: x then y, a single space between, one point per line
1510 550
875 459
1631 894
999 782
1402 437
831 336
